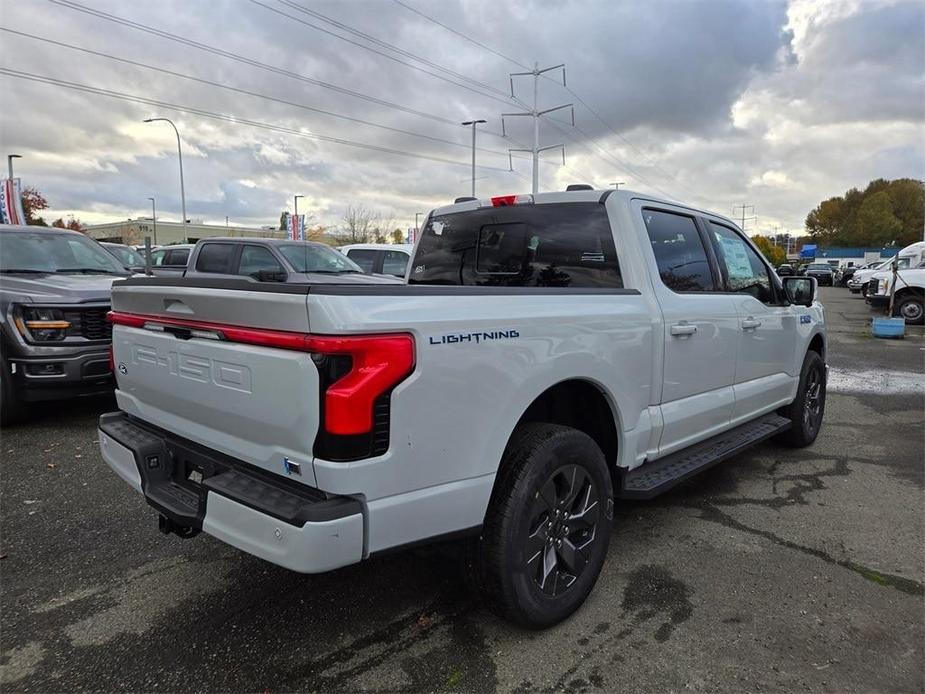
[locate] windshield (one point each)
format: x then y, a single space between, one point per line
47 251
316 257
128 256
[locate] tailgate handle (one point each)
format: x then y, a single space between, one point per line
177 306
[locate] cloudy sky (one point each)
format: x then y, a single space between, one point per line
771 104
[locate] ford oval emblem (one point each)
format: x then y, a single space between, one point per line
122 368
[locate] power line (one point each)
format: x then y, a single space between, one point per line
377 52
605 156
239 90
253 63
383 44
462 35
571 91
235 120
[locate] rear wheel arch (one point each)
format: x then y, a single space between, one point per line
579 404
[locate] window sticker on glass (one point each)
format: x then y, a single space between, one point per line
736 258
437 227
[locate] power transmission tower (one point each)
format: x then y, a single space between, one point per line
535 115
744 209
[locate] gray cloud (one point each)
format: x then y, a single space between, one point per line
722 102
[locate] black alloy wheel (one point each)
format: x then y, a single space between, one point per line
562 528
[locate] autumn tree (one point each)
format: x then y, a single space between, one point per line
884 212
398 236
33 202
71 223
775 254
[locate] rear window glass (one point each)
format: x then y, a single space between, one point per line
213 257
177 256
365 258
551 245
394 263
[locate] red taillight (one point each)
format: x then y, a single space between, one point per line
379 363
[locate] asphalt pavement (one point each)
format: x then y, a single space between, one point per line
781 570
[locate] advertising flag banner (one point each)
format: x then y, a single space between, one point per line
11 211
297 227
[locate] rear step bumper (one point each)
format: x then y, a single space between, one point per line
194 488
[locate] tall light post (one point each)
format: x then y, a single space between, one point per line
154 219
616 184
9 162
180 158
473 123
295 208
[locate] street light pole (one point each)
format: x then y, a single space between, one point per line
180 159
154 219
616 184
9 162
473 123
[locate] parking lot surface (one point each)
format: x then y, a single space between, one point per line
780 570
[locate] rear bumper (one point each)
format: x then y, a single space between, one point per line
289 524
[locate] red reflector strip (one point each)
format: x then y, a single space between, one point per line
379 362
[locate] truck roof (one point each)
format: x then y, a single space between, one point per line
592 195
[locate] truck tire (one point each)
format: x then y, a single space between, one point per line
910 308
864 289
548 526
807 409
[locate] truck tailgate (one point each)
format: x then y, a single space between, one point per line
258 404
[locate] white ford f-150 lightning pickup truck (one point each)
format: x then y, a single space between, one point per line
547 355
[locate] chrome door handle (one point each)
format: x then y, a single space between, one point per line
682 329
750 323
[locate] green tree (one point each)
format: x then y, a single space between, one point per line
775 254
877 221
398 236
282 220
884 212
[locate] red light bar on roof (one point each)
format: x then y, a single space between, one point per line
510 200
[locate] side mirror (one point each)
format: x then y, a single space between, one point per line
800 290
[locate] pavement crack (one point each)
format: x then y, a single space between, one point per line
710 513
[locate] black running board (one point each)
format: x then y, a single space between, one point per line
651 479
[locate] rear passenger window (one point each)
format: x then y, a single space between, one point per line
546 245
365 258
178 257
744 270
214 257
394 263
679 251
257 258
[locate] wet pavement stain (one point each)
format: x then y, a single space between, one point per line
652 590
